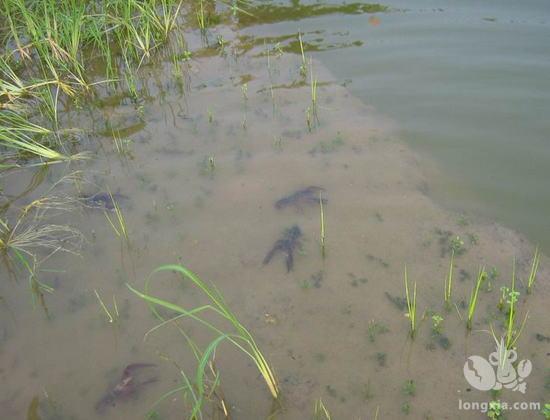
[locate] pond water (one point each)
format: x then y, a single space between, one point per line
467 82
197 166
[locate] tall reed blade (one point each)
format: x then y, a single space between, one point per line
449 283
411 305
322 212
534 269
481 277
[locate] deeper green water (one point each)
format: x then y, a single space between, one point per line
468 84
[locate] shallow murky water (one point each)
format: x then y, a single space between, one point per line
205 160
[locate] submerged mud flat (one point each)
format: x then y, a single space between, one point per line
206 161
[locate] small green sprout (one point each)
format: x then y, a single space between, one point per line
495 410
436 323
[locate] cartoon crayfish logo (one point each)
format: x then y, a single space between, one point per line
481 373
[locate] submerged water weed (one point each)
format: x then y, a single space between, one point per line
381 358
409 388
118 224
239 336
533 273
207 166
331 146
411 305
111 317
375 329
37 288
481 277
122 146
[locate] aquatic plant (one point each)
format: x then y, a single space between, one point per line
533 272
309 122
28 234
513 334
111 317
449 283
313 86
119 227
240 337
53 44
409 388
201 17
504 291
436 323
21 135
303 66
411 305
495 410
320 412
374 329
481 277
457 245
322 214
546 411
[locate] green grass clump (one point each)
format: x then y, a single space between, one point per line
239 336
49 50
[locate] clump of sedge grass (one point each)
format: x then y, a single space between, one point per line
240 337
481 277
